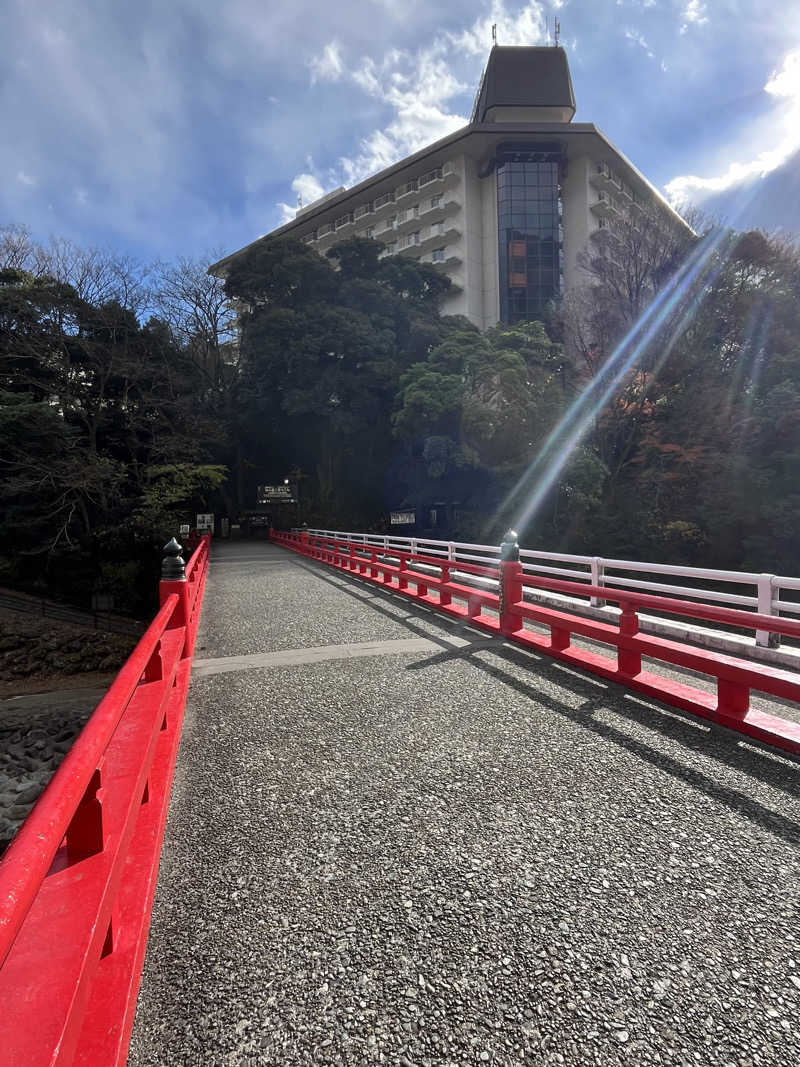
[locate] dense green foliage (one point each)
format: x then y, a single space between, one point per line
322 355
101 442
656 414
701 441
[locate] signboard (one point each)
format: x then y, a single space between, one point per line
276 494
205 522
403 518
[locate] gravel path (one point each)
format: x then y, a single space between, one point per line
460 855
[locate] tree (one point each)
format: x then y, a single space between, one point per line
473 415
93 408
324 343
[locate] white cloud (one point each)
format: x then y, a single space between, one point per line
637 38
695 14
786 81
328 66
513 28
308 189
782 129
26 179
418 88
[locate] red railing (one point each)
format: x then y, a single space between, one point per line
505 612
77 881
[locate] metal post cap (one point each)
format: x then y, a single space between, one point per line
173 565
509 549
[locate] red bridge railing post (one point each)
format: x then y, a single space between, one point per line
173 580
445 596
629 660
510 585
510 594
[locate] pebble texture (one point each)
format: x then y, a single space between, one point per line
35 734
33 647
466 855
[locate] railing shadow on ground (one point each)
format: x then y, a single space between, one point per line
695 736
627 655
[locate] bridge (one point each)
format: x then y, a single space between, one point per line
431 806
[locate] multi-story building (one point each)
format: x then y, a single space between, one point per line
505 205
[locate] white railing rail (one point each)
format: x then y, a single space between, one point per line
762 591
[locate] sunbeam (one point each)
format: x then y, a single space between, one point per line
689 285
567 434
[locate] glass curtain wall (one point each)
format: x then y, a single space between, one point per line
529 230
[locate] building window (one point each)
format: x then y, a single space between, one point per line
529 254
437 255
437 229
436 201
387 198
370 231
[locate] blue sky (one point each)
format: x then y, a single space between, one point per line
167 127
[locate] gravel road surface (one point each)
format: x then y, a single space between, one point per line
449 851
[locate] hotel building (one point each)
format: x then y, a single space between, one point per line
503 206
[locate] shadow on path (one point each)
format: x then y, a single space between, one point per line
693 734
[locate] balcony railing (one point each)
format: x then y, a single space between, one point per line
404 190
431 176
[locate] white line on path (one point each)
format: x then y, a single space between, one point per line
263 560
319 654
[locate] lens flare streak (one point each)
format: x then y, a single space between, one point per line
694 275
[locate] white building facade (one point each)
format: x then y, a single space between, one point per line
504 206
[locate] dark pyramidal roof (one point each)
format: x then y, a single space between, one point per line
525 77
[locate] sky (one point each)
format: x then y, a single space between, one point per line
191 127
